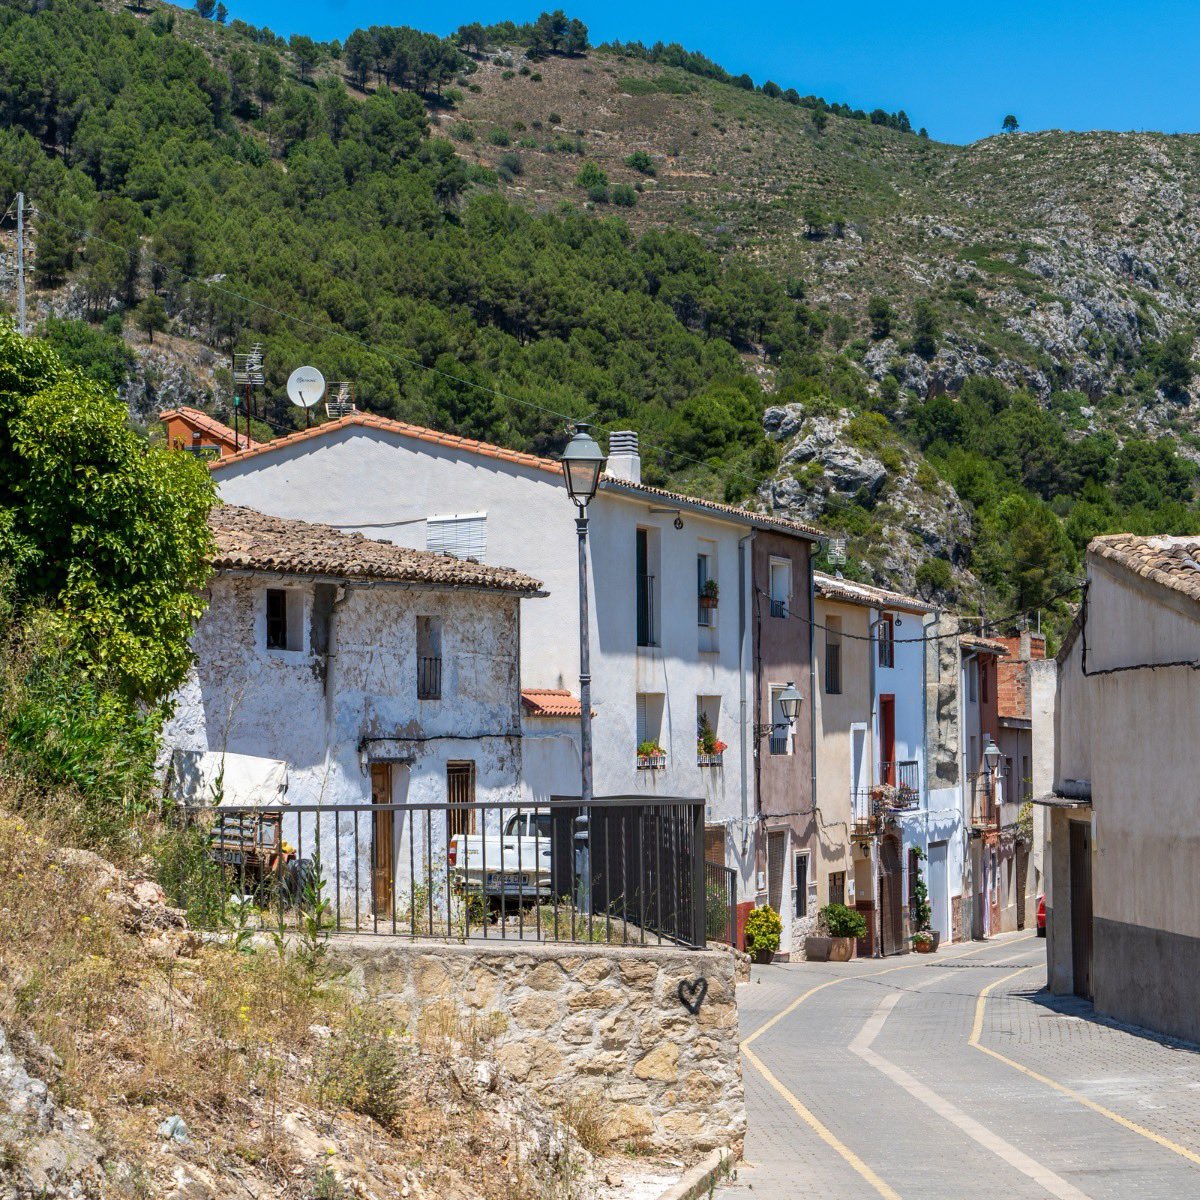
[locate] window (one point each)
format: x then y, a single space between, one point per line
973 680
464 536
429 658
649 729
460 790
781 735
706 585
285 617
984 682
802 884
709 747
833 656
781 586
887 640
837 887
646 559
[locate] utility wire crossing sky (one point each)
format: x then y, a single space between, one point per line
955 68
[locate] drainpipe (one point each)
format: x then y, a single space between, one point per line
743 741
873 727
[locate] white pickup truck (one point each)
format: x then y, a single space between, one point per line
515 864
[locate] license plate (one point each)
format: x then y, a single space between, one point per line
508 879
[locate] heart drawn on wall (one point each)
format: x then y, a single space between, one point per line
692 993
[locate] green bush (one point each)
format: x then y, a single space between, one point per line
639 160
841 921
764 930
624 195
591 176
499 137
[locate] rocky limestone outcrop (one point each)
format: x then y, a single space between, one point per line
821 468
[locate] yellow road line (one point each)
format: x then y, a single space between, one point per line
1125 1122
823 1131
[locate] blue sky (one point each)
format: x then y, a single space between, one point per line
956 68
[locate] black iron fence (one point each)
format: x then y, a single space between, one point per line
622 871
720 903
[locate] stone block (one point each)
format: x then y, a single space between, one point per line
661 1063
638 973
601 997
545 977
593 971
629 1121
538 1011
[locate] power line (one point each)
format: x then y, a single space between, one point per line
984 623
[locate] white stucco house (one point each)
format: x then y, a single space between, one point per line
661 661
1122 889
332 669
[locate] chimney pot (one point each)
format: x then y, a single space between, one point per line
624 458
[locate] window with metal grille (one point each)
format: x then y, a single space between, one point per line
833 656
460 789
781 586
802 884
429 658
463 535
837 887
887 640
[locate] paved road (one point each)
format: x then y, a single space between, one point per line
953 1075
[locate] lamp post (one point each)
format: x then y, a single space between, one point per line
789 705
583 462
991 758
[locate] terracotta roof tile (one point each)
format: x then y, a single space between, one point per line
252 541
1171 562
832 588
550 702
520 458
975 644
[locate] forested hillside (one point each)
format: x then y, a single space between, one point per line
797 303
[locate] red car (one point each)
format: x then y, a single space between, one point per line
1041 916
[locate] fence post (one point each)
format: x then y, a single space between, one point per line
699 923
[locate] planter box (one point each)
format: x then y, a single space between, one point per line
829 949
652 762
708 601
708 760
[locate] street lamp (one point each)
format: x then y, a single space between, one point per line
991 755
583 462
789 701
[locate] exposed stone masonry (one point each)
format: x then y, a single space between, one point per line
574 1022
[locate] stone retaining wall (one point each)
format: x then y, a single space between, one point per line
579 1021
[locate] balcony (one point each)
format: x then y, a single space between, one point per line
990 807
904 776
429 678
646 623
652 762
876 807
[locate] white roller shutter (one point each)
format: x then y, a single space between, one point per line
462 534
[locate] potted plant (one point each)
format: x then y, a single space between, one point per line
838 929
709 592
925 940
709 747
651 756
763 932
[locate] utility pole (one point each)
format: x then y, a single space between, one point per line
21 263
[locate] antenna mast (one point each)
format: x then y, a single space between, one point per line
247 375
21 262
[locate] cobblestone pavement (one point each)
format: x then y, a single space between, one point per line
954 1075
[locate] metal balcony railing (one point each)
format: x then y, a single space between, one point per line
429 678
903 775
779 608
875 807
990 798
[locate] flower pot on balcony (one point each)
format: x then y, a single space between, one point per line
708 601
652 762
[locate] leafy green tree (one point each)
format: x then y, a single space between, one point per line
1010 124
98 354
472 37
151 317
54 253
820 118
206 8
927 328
112 532
881 316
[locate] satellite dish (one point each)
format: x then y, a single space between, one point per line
305 386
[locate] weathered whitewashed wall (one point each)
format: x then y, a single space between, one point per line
313 710
578 1022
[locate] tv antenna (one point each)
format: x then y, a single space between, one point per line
342 403
247 375
305 387
836 552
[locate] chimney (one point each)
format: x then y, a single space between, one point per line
624 461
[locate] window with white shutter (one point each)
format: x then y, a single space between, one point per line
462 534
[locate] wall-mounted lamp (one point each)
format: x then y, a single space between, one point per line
364 755
789 705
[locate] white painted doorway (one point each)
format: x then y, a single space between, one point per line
938 884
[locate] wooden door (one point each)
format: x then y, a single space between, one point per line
891 910
776 865
1081 908
887 739
383 825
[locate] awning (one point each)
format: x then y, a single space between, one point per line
1054 800
207 777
